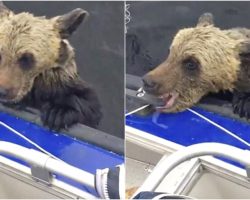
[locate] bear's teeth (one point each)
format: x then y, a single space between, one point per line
169 99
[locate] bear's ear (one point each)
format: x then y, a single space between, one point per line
244 50
206 19
69 22
4 10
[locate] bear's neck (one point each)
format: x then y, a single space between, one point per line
243 82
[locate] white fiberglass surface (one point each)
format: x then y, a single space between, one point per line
212 186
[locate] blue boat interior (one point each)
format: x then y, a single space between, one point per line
69 148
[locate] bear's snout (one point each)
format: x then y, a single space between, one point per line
7 94
3 92
149 84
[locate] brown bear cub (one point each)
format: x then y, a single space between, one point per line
37 68
202 60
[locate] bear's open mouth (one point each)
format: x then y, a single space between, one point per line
169 99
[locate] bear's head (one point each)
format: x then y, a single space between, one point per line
30 45
201 59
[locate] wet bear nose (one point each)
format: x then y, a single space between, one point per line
149 85
3 92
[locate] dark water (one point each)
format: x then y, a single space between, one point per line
154 24
99 46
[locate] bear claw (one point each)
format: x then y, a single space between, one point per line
241 104
57 117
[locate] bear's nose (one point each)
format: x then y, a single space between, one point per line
149 85
3 92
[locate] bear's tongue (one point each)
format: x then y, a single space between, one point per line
169 99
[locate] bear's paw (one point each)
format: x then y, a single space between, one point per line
241 104
74 110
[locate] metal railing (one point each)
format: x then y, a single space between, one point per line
43 165
169 162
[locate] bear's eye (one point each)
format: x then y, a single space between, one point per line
190 64
26 61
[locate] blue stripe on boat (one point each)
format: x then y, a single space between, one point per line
186 129
77 153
